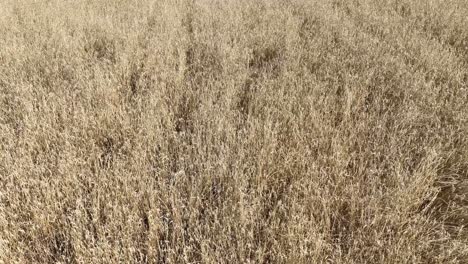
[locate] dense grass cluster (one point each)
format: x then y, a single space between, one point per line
216 131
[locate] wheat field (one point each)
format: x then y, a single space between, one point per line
216 131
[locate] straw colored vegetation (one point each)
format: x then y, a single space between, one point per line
216 131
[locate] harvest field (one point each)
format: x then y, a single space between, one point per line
242 131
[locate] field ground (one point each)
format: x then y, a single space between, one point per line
215 131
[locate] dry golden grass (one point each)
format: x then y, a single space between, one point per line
216 131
